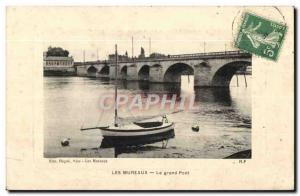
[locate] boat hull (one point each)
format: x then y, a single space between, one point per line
136 140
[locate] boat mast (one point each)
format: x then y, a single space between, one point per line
116 88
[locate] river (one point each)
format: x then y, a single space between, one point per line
223 117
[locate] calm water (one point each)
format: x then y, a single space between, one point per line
224 118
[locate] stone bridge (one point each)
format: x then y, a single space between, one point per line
209 69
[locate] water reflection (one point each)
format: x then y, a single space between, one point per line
148 86
217 95
224 117
213 95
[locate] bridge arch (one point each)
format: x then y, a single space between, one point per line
104 70
174 72
144 72
223 75
91 71
123 73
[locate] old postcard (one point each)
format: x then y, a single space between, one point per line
150 98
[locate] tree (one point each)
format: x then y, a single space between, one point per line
126 53
157 55
57 51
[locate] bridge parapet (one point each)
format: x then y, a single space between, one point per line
207 55
212 54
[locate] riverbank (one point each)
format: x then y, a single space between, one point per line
59 73
173 152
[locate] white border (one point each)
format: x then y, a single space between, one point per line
4 3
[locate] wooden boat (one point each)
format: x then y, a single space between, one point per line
135 133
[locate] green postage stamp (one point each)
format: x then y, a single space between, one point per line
260 36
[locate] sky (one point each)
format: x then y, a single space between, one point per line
173 30
105 48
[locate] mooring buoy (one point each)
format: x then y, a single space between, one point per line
65 142
195 128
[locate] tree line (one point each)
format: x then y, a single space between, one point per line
57 51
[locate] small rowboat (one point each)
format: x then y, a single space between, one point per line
136 134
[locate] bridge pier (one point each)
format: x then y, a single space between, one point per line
156 74
81 70
132 73
112 72
202 75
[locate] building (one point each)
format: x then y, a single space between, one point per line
112 57
58 65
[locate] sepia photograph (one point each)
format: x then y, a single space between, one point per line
162 98
145 96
